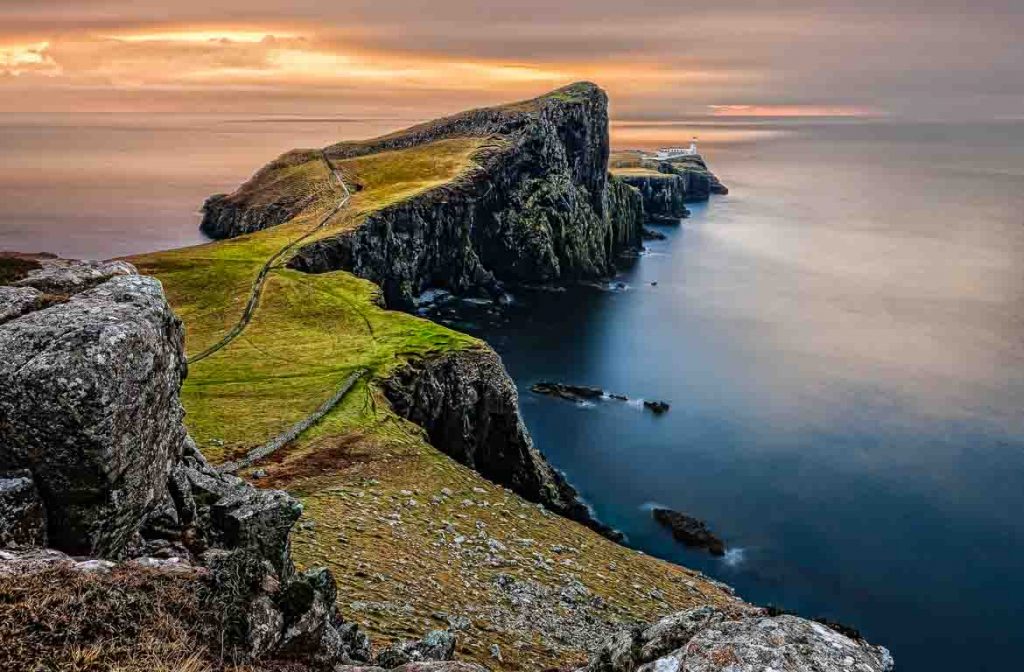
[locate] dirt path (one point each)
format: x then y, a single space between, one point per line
257 287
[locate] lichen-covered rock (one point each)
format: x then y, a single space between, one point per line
710 640
89 396
17 301
469 407
22 515
70 276
437 645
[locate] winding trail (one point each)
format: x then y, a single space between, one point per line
257 286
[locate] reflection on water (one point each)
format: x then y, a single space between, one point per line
841 339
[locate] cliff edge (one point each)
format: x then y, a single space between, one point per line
539 206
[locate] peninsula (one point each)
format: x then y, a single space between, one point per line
249 453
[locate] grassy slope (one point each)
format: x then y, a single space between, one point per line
358 470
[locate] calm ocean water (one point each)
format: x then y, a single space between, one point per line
841 339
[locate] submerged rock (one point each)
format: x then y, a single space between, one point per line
713 640
657 407
690 531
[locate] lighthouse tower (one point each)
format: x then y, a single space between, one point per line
693 147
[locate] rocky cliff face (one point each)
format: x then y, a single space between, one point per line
469 408
669 185
539 209
664 196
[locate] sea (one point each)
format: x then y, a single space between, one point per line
840 338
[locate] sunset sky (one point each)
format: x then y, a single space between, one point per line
660 59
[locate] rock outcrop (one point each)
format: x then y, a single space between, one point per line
667 186
469 407
95 461
89 400
664 196
712 640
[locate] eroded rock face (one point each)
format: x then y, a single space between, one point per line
711 640
89 397
540 209
664 196
469 407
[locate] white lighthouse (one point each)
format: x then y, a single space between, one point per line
669 153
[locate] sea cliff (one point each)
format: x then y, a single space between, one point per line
538 208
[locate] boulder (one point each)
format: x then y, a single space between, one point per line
68 276
89 396
17 301
712 640
22 515
689 530
437 645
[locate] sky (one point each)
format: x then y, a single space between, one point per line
658 59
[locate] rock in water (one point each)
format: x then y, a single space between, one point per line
657 407
689 530
568 392
89 397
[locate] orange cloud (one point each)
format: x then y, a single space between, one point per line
790 111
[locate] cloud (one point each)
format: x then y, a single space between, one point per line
659 58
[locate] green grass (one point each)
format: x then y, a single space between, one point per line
309 331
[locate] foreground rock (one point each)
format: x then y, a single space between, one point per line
689 530
95 461
710 640
89 396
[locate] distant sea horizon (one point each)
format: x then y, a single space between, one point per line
841 339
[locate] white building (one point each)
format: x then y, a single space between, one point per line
668 153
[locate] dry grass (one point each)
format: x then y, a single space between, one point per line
59 619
